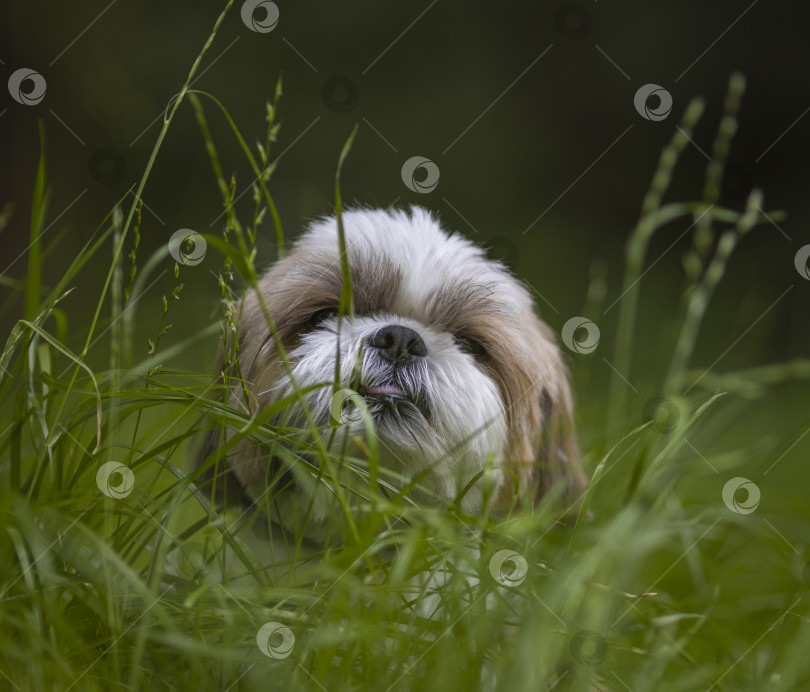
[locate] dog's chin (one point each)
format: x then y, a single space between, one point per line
392 406
402 425
425 451
402 422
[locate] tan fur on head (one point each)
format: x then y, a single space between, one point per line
445 347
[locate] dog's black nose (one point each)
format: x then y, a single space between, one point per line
398 344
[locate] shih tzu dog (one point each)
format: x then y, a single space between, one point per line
444 354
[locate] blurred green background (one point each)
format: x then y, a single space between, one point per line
527 110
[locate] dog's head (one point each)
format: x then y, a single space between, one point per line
445 352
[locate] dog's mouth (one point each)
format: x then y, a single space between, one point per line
390 398
383 390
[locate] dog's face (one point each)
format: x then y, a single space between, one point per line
444 351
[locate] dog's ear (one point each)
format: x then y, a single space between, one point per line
218 481
230 479
543 455
558 455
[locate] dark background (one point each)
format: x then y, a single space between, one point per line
548 164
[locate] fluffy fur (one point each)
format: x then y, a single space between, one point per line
457 370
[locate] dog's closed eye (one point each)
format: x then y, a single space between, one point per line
470 346
316 318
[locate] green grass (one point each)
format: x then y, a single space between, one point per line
656 585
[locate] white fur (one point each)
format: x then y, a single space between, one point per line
468 420
466 430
